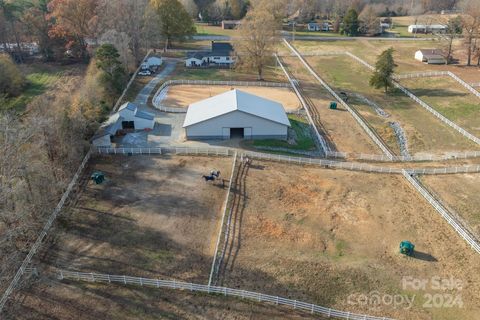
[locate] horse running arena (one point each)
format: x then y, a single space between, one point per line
180 96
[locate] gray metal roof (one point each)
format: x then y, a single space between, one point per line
128 105
235 100
144 115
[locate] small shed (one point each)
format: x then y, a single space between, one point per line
430 56
236 114
152 62
128 117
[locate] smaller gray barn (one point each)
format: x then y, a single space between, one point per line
236 114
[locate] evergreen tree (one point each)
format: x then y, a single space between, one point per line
351 23
114 74
384 69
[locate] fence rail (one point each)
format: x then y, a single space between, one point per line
157 102
238 293
462 231
352 166
223 225
355 115
24 266
321 141
425 105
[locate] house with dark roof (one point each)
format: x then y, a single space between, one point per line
430 56
221 55
128 117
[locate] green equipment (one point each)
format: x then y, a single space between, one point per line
333 105
406 248
98 177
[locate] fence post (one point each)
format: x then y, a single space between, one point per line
93 278
124 280
61 274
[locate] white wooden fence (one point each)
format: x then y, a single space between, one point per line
238 293
468 86
117 104
352 166
321 141
463 232
360 121
223 225
422 157
157 102
24 266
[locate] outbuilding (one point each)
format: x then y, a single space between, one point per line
430 56
128 117
152 62
236 114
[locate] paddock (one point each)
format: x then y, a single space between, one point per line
324 235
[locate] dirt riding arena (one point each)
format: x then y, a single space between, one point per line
327 236
180 96
152 217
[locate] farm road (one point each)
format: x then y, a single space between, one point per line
142 97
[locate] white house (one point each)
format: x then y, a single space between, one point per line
236 114
432 28
152 62
127 117
220 55
430 56
313 26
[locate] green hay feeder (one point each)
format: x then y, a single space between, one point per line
98 177
333 105
406 248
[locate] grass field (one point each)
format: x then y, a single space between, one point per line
460 193
323 235
206 30
404 54
425 133
344 132
303 136
39 79
450 99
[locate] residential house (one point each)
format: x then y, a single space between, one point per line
221 55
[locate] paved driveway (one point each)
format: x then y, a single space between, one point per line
142 97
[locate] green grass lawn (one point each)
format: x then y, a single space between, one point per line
304 138
36 84
206 30
450 99
425 132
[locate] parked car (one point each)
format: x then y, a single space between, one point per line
144 73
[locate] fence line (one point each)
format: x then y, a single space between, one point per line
24 266
156 101
238 293
425 157
462 231
117 104
475 84
356 116
225 206
323 144
352 166
425 105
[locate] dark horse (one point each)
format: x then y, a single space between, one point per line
213 175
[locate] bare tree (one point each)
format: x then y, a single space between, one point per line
471 26
257 39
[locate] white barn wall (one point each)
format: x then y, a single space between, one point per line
141 124
213 128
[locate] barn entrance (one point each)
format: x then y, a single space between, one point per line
128 125
236 133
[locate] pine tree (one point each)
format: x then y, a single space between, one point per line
384 69
351 23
